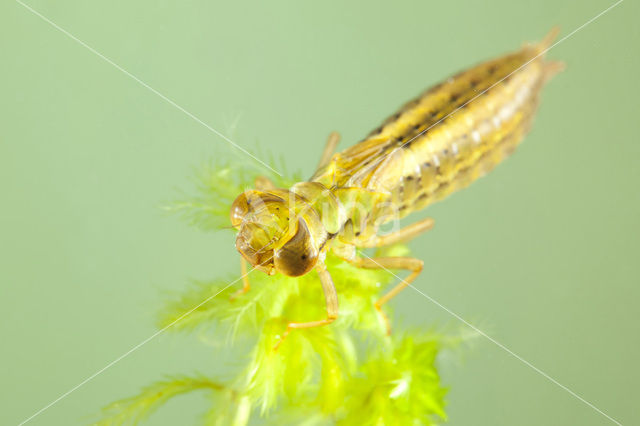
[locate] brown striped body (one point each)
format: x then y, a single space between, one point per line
440 142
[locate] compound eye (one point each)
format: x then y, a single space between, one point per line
298 255
239 209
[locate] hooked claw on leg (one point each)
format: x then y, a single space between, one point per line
385 318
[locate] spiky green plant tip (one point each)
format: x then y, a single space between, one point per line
347 373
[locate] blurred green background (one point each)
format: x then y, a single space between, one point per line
542 254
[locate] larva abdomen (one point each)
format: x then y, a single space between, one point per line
453 133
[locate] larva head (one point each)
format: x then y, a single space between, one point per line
277 232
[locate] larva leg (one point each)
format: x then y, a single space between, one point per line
331 298
405 234
264 183
330 147
409 263
245 280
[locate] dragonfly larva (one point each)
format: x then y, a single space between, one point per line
436 144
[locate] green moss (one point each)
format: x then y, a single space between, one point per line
347 373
